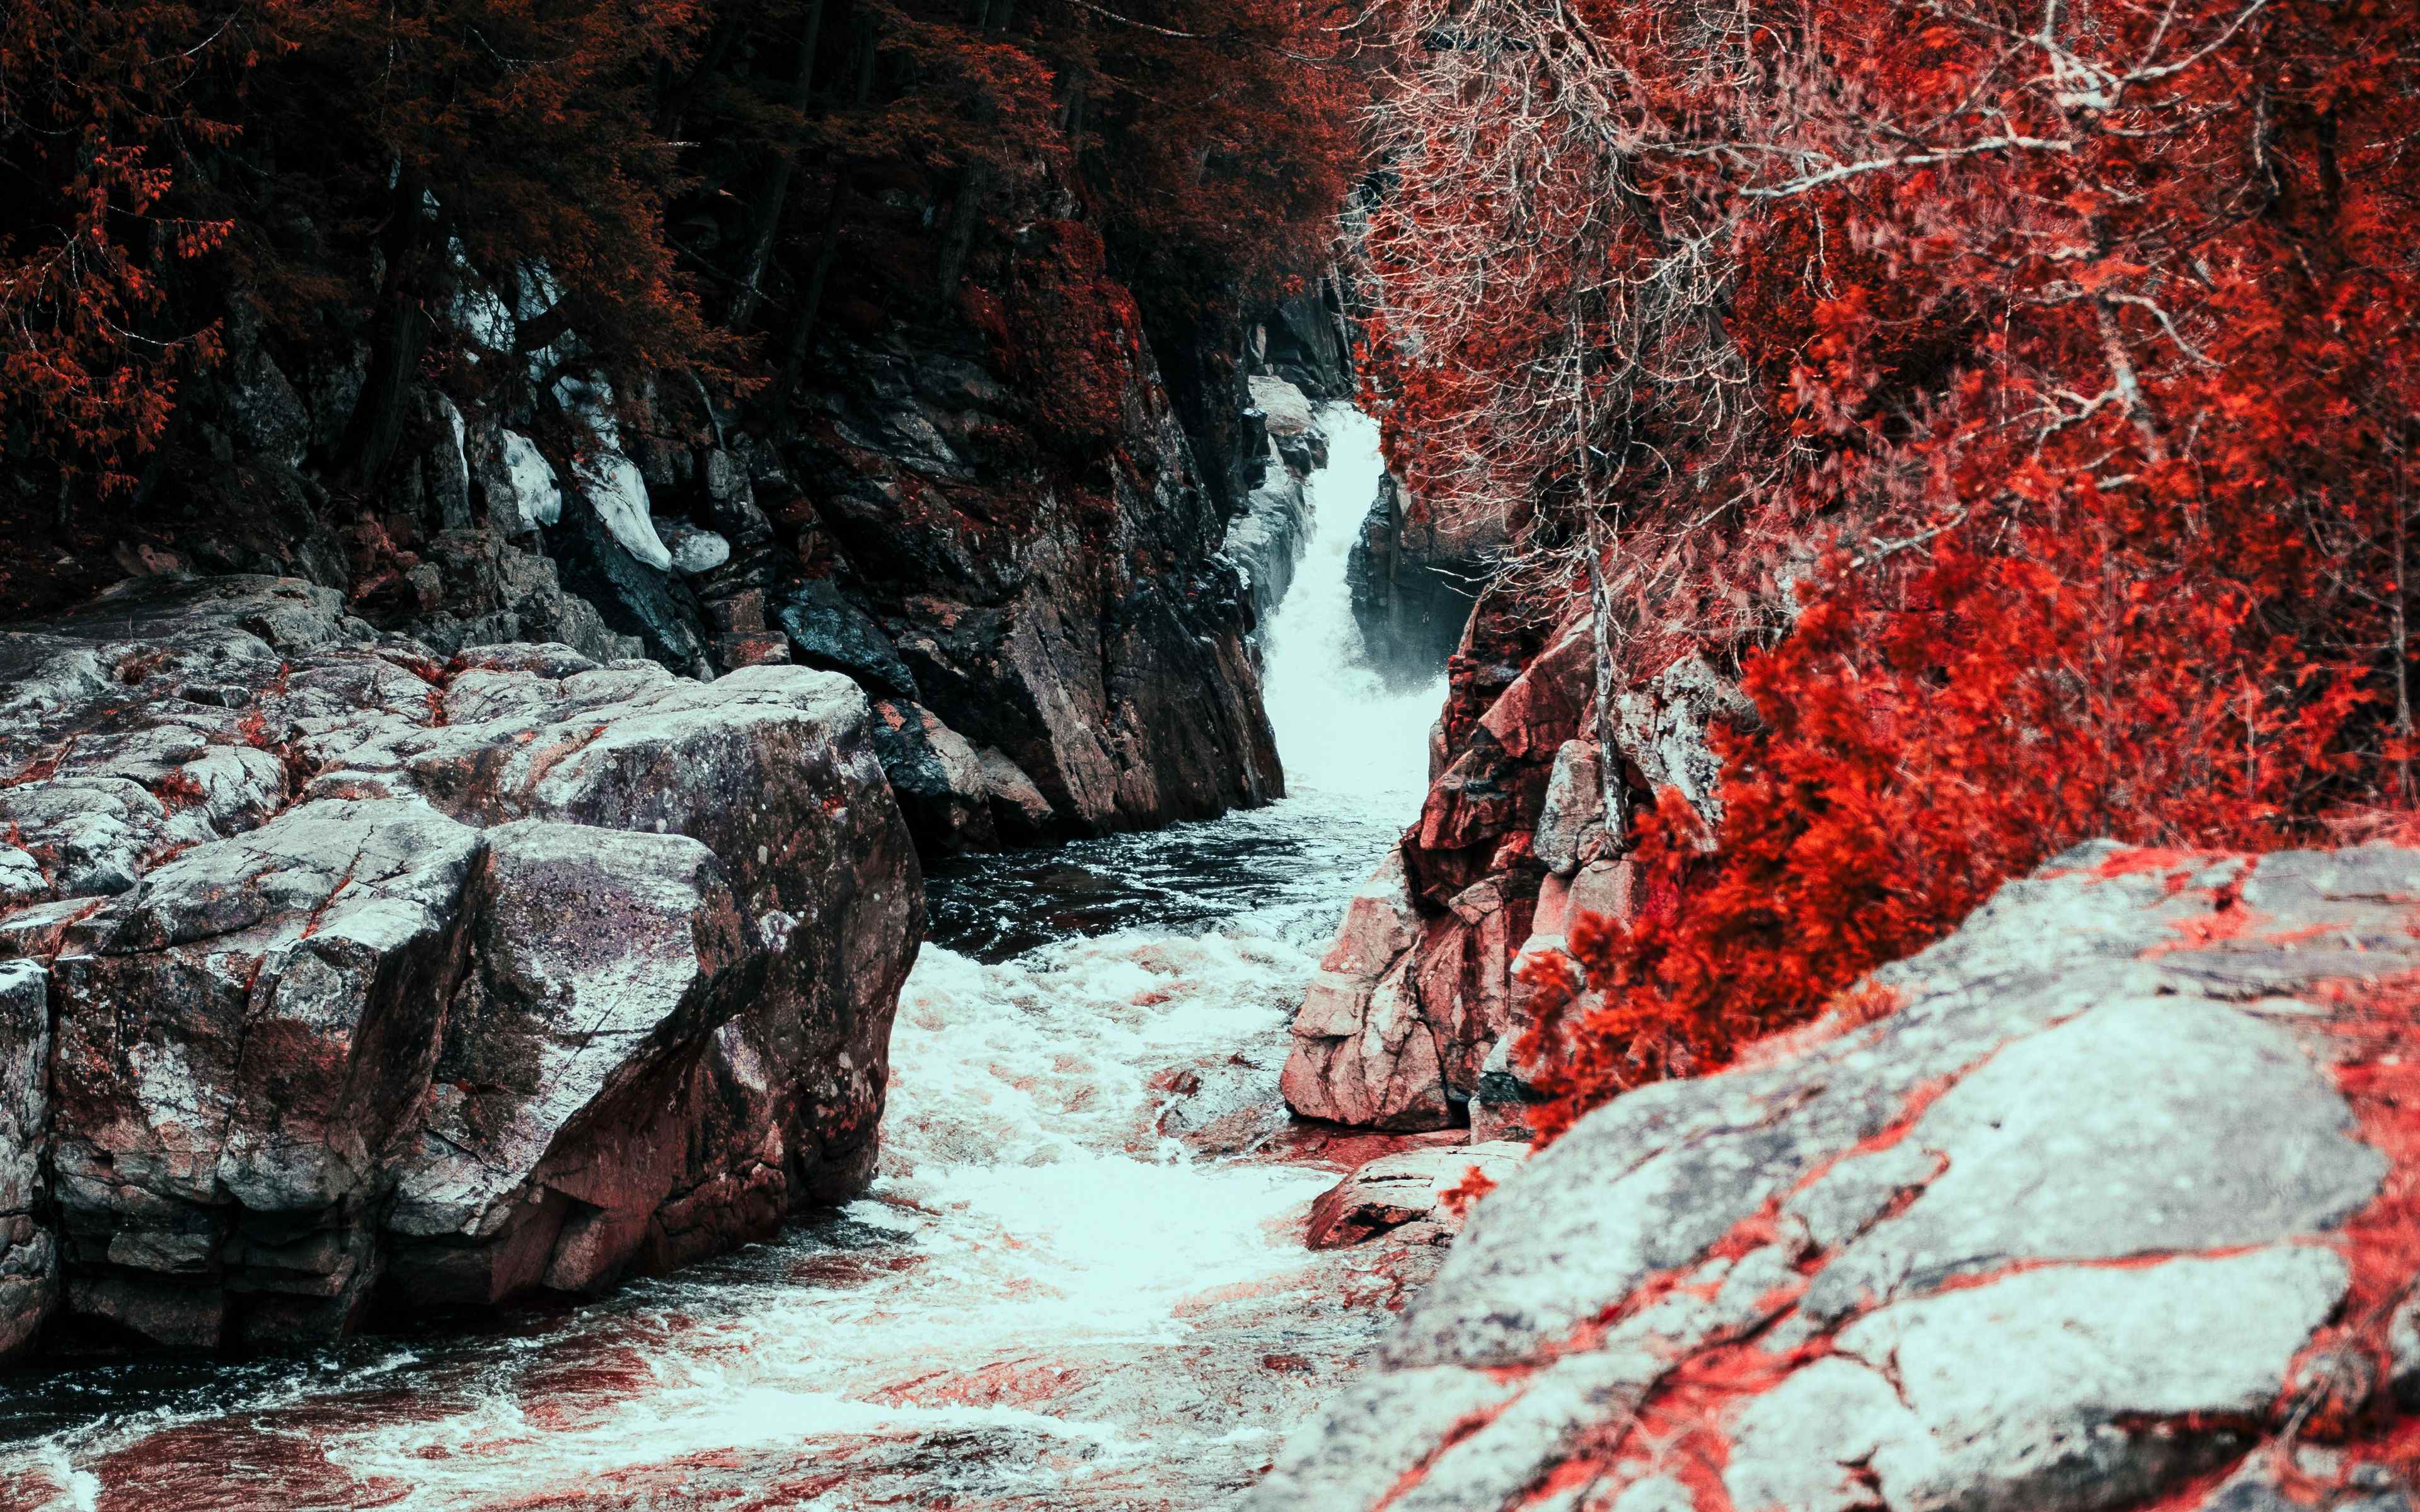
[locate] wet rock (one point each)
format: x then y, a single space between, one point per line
1402 1196
1018 809
2000 1263
1413 588
616 494
827 630
1077 618
28 1251
264 411
445 468
938 777
1305 341
1266 541
1363 1053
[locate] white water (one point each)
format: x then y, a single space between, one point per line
1342 734
1044 1302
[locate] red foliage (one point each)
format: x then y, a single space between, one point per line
95 101
2027 415
1066 331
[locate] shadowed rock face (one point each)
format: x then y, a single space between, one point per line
339 973
2088 1215
1067 608
1414 584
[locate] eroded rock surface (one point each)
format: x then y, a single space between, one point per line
330 972
2095 1212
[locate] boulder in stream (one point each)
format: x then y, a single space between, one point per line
342 976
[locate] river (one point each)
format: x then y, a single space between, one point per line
1077 1283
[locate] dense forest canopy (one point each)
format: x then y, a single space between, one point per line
506 192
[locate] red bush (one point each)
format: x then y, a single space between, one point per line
2025 415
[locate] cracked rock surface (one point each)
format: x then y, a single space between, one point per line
334 975
2096 1218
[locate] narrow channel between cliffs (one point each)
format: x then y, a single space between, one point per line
1080 1281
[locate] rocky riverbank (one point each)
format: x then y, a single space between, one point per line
2109 1207
339 974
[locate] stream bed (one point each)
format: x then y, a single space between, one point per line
1077 1283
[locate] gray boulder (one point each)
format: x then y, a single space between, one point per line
2066 1229
827 630
339 977
1573 813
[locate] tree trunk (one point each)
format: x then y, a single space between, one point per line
974 185
811 293
673 112
786 165
397 330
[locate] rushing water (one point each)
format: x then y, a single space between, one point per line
1078 1282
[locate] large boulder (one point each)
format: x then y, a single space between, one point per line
251 1028
1412 1197
357 978
604 968
1362 1053
28 1249
2110 1202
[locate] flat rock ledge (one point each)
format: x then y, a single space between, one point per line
2120 1208
333 975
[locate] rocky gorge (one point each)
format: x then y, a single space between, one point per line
352 988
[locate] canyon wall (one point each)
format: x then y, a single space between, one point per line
1411 1022
998 529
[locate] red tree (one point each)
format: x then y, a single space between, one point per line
2021 398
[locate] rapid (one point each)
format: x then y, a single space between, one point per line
1077 1283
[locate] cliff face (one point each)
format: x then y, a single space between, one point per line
1414 1009
1413 586
2108 1207
1034 541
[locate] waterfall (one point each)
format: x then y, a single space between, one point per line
1342 734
